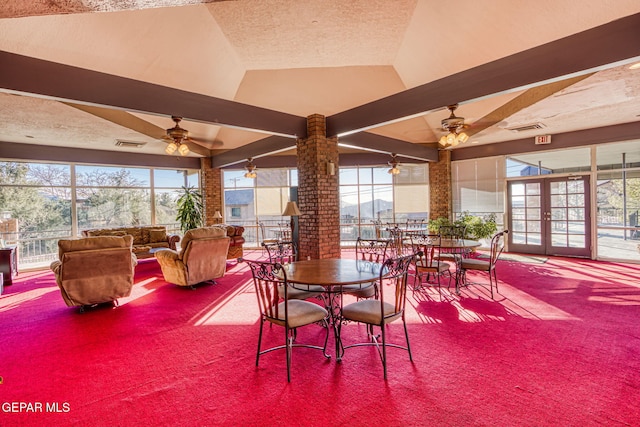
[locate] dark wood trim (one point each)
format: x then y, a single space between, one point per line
623 132
383 144
43 153
26 75
263 147
573 55
346 160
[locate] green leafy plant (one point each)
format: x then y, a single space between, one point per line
476 227
190 209
435 224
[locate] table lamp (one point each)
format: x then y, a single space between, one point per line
217 216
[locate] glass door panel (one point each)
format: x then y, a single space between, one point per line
569 216
526 216
550 216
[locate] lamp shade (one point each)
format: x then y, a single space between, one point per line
291 209
217 215
183 149
171 148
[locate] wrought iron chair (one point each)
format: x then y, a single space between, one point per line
466 264
263 233
387 308
452 232
268 279
377 226
430 263
416 224
374 251
396 241
286 253
284 231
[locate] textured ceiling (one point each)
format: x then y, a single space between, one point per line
303 57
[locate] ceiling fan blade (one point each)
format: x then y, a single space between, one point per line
520 102
206 143
136 124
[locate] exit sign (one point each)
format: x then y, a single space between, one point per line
543 139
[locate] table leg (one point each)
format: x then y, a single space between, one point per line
333 307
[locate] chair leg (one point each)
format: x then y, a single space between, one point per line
406 335
384 352
259 341
495 279
289 341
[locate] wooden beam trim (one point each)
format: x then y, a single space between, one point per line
32 76
615 133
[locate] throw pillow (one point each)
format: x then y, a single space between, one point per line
157 236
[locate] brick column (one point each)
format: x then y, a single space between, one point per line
440 186
318 193
211 191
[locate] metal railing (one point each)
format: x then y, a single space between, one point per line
37 249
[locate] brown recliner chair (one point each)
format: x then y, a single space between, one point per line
202 257
94 270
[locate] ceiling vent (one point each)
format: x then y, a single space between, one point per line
524 128
129 144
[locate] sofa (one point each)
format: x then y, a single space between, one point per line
236 240
94 270
146 239
202 257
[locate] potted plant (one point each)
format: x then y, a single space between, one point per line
435 224
190 209
477 228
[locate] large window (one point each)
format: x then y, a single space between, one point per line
37 202
618 200
35 208
369 194
366 194
249 201
478 187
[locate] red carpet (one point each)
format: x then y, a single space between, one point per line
559 346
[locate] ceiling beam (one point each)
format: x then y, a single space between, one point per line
261 148
579 138
36 77
382 144
577 54
48 153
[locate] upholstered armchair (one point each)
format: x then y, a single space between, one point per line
202 257
94 270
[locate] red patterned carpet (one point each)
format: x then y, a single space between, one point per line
560 345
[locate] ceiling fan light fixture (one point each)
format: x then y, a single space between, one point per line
394 165
171 148
251 169
178 137
453 125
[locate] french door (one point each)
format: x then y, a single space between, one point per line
550 216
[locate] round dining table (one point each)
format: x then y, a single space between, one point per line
332 274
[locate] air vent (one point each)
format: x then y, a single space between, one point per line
524 128
130 144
